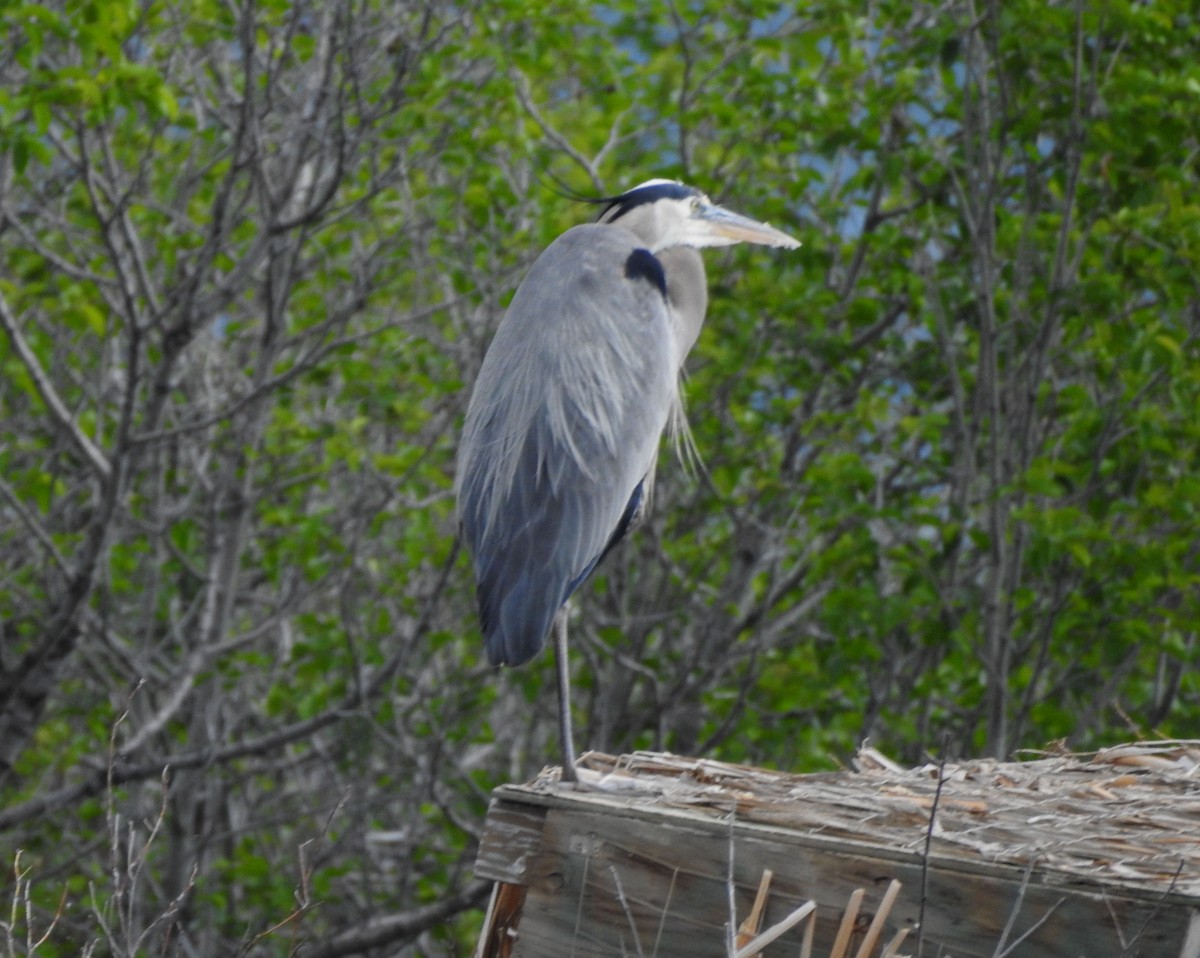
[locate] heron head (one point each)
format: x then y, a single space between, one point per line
664 213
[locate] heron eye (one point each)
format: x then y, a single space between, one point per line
696 204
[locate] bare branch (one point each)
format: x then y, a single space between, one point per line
525 97
394 929
54 404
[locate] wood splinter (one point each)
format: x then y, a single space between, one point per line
749 943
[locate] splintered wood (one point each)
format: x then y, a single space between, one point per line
659 856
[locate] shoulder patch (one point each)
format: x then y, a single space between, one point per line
642 264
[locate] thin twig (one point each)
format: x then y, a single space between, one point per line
937 796
1032 928
1015 910
662 921
730 888
34 527
587 861
45 388
524 96
637 941
1128 949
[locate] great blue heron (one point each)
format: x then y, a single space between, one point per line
562 432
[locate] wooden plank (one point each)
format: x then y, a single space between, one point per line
1060 857
627 807
1191 945
512 836
613 884
501 924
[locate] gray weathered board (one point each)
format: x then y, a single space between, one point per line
644 866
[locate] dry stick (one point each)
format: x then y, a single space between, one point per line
731 925
637 941
587 860
842 941
810 929
1128 949
303 896
893 946
22 895
876 929
1001 949
937 796
752 948
1117 925
1015 910
1032 928
748 929
665 909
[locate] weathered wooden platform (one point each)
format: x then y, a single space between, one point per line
658 855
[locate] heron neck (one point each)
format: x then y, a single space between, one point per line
687 291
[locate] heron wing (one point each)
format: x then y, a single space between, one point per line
563 429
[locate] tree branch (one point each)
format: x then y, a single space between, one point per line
392 929
58 409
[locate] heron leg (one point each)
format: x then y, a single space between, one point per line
564 696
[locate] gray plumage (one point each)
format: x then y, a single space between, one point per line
577 405
581 380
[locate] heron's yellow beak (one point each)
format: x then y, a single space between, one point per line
735 228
